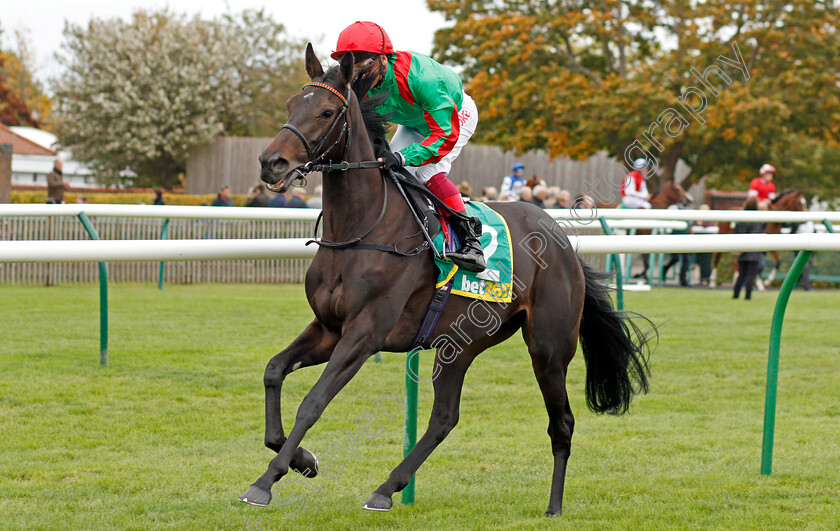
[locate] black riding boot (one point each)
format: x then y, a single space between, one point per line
469 256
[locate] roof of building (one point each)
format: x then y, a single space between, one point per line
22 145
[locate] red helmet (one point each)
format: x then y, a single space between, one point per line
363 37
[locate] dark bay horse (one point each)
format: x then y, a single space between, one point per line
793 200
670 193
367 300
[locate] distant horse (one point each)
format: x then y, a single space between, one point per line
669 194
792 199
366 300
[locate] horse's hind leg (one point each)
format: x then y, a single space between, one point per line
312 347
552 341
550 369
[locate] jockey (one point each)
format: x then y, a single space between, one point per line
513 183
634 192
762 186
435 116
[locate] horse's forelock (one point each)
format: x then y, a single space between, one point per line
374 122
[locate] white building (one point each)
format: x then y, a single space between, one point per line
34 153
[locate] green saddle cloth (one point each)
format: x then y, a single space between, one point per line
494 283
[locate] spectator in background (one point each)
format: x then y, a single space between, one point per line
56 185
526 194
562 199
465 190
158 197
540 194
551 200
513 183
278 201
584 201
296 201
81 200
747 262
489 193
535 181
257 196
316 201
223 197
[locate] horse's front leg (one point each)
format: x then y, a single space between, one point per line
355 346
312 347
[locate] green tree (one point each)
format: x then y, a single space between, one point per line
271 73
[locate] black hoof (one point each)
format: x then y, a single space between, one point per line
378 502
552 512
256 496
304 463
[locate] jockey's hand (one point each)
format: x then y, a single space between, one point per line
392 159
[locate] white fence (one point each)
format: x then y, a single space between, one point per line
267 244
267 249
586 216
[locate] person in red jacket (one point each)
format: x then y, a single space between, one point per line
762 187
435 116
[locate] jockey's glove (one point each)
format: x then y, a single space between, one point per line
393 160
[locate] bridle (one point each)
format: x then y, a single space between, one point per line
317 154
310 165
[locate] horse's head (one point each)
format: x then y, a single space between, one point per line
671 193
792 199
318 124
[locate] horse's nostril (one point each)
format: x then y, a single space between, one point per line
278 163
273 162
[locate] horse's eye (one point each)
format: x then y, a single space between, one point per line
328 113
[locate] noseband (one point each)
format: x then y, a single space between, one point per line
315 155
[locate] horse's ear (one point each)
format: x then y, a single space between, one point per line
346 68
313 65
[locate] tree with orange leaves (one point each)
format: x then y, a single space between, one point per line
578 77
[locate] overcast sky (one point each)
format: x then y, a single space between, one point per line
409 23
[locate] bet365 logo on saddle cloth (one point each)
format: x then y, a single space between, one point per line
494 283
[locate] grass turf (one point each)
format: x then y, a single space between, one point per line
171 433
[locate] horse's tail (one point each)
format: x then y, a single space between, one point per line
614 348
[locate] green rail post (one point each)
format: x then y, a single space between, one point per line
619 284
412 369
828 226
164 232
773 359
103 294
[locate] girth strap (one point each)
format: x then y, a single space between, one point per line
436 307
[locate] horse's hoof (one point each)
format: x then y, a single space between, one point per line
304 463
552 512
256 496
378 502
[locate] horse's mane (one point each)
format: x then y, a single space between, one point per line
787 191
